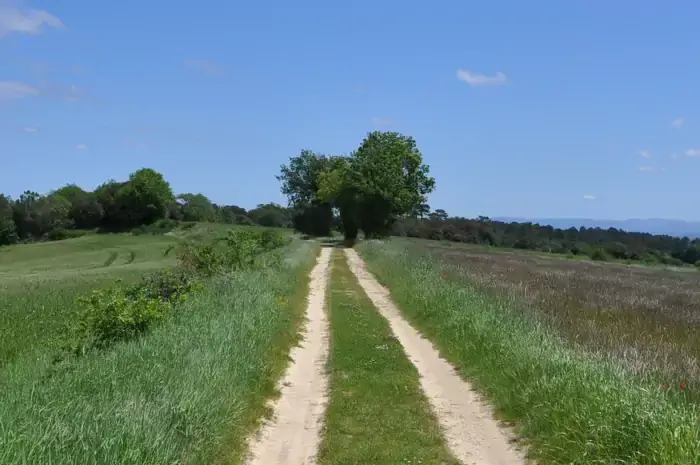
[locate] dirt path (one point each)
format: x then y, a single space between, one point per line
293 435
471 432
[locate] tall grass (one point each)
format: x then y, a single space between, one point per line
188 392
569 406
646 318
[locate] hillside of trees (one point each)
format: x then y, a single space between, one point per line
595 243
143 203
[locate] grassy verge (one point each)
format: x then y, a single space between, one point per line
377 413
188 392
569 406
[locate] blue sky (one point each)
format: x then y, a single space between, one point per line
539 109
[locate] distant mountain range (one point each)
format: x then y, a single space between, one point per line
678 228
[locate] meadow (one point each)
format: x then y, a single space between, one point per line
590 363
188 391
644 317
39 282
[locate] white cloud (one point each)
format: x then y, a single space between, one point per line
674 156
80 147
16 90
692 153
645 154
474 79
206 66
25 21
678 122
30 129
589 197
381 121
646 168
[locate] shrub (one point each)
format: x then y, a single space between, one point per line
166 285
62 234
599 254
112 315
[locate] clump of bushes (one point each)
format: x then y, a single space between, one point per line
160 227
239 249
123 312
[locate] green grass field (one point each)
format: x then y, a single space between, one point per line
571 402
591 363
39 282
190 391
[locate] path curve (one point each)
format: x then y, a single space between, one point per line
472 434
293 434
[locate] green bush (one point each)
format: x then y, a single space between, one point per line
63 234
599 254
166 285
112 315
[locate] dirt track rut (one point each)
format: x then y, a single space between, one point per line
292 436
472 434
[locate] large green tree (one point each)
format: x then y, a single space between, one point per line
146 197
383 179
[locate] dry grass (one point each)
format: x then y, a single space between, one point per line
646 317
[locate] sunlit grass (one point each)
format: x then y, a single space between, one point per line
571 406
188 392
39 282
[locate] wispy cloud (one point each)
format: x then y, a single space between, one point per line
30 129
11 90
80 147
646 168
589 197
474 79
381 122
645 154
678 122
674 156
692 153
25 20
205 66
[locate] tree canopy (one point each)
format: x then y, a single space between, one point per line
382 180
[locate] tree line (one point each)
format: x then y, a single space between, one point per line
379 189
145 200
595 243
